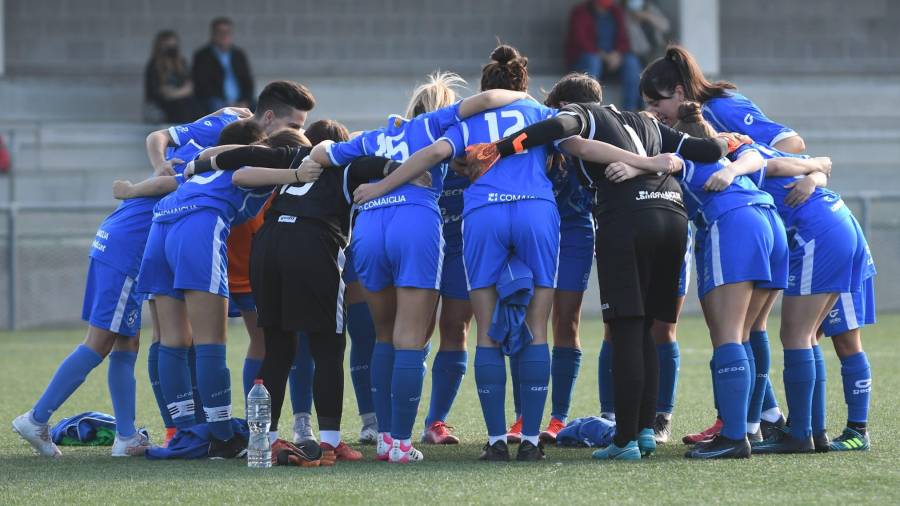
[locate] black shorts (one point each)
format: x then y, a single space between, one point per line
639 257
295 273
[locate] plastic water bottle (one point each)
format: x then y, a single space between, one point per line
259 417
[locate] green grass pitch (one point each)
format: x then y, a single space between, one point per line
452 474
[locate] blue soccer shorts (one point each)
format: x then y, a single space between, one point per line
111 300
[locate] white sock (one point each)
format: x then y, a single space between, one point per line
406 442
332 437
273 435
494 439
302 416
609 416
752 427
667 416
772 414
531 439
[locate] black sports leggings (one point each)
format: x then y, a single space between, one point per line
635 371
328 382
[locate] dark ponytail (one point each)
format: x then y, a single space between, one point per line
678 67
508 70
691 121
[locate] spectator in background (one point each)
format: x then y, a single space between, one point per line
168 91
221 71
647 29
597 44
5 163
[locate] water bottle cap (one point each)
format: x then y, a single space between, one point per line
258 382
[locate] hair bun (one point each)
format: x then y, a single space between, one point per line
504 54
690 112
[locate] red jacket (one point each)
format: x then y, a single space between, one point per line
582 34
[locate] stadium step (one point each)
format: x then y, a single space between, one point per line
61 156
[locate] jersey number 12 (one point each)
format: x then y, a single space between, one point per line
494 127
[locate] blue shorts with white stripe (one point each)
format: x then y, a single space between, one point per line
744 244
684 279
852 310
187 254
111 300
834 261
400 245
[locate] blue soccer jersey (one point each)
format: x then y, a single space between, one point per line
823 210
204 132
212 190
736 113
572 198
121 237
704 207
451 204
522 176
397 141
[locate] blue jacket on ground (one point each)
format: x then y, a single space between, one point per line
588 431
83 427
193 442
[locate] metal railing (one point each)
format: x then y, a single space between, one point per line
45 245
13 233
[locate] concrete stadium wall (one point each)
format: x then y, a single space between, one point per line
380 37
286 36
810 36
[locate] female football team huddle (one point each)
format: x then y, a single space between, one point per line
496 205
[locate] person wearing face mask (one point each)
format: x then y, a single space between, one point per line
597 44
168 89
647 28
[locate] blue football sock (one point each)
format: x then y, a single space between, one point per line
123 390
301 376
68 377
564 366
769 400
514 376
669 363
752 415
382 374
175 381
153 372
818 399
715 388
362 341
604 379
446 375
732 372
251 368
214 381
534 378
799 382
763 396
406 390
857 378
199 412
490 381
